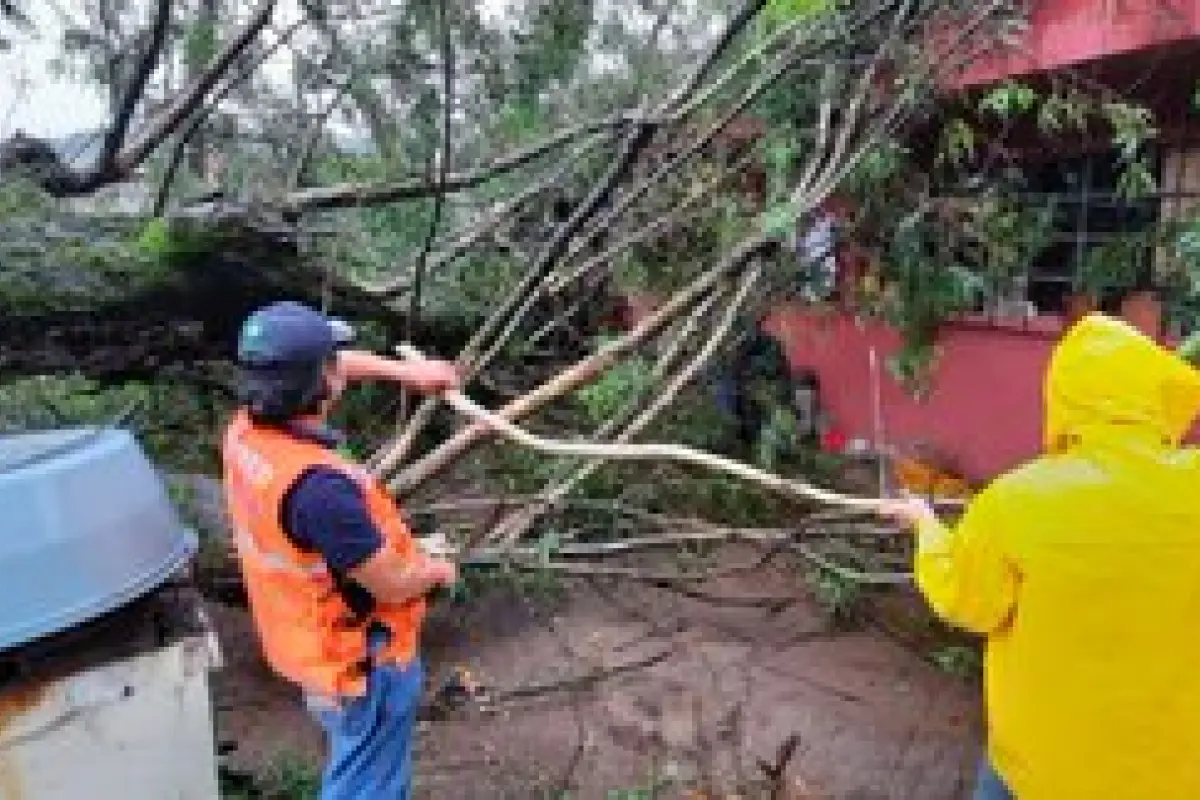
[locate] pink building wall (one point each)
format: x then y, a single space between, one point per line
985 405
1067 32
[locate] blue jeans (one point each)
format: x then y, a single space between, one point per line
370 738
989 785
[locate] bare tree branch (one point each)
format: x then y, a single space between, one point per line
487 421
312 142
373 108
579 374
163 196
351 195
740 21
492 218
134 93
114 167
389 456
412 323
183 106
515 526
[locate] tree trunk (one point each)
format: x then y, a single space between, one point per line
110 297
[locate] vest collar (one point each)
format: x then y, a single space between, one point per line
316 433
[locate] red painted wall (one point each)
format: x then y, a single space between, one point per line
1065 32
985 407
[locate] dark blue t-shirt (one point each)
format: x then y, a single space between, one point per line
325 513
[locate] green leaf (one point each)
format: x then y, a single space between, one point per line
787 10
1059 111
1009 99
958 142
200 44
1131 124
547 546
1135 181
1189 349
779 220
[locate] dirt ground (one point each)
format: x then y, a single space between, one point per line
714 691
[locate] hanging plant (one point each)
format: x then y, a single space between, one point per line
925 293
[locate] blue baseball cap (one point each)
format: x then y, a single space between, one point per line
289 333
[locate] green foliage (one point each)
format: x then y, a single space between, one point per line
162 247
958 143
779 220
1181 283
1189 349
793 9
960 661
1136 179
1009 99
289 778
838 595
1061 111
777 13
53 262
175 423
200 43
1187 247
20 198
777 440
876 169
1111 266
627 381
929 290
469 289
550 46
1129 125
1005 238
542 587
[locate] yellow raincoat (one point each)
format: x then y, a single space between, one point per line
1082 568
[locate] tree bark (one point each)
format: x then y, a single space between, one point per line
76 294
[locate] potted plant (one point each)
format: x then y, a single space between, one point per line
1008 239
1111 278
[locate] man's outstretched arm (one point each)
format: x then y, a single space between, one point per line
429 376
962 570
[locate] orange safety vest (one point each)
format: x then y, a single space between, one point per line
308 634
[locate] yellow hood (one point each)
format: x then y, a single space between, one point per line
1105 374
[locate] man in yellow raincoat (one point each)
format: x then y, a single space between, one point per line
1082 569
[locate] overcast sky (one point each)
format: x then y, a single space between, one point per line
30 96
33 98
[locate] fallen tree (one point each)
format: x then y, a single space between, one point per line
118 296
618 176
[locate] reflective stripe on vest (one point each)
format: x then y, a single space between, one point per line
275 562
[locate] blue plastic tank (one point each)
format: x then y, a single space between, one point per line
86 526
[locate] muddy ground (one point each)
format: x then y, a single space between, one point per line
715 691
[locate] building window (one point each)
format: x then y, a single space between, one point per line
1095 228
